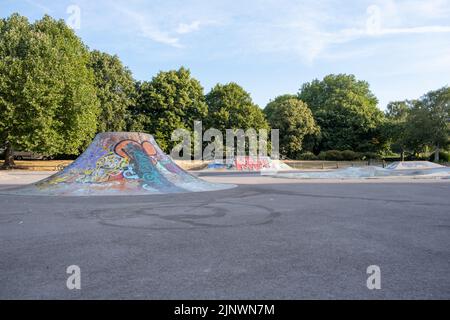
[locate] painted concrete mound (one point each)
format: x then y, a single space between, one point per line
249 163
120 163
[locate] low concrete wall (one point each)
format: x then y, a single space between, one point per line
56 165
296 164
41 165
319 164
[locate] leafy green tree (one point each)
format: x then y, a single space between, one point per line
346 111
428 122
399 110
48 100
294 120
172 100
115 91
231 107
395 127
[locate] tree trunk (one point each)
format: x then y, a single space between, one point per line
402 156
9 156
436 154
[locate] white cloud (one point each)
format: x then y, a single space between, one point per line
415 30
307 29
311 35
39 6
390 18
427 9
157 29
188 28
147 28
153 33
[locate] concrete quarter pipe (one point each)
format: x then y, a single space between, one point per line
120 163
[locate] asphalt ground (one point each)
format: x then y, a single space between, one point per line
265 239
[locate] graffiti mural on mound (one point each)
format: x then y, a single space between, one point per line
250 163
122 163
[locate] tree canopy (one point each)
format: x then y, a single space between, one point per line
414 125
115 91
294 120
171 100
346 111
48 98
429 120
395 126
231 107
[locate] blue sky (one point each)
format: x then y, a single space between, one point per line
270 47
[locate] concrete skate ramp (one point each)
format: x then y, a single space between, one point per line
120 163
408 165
373 172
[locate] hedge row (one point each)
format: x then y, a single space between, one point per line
349 155
443 157
337 155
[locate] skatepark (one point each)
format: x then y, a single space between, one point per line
217 234
224 158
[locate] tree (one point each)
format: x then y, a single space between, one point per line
346 111
428 123
399 110
438 105
115 91
294 120
395 126
48 100
231 107
172 100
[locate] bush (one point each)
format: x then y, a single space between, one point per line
350 155
308 156
371 155
330 155
334 155
337 155
346 155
